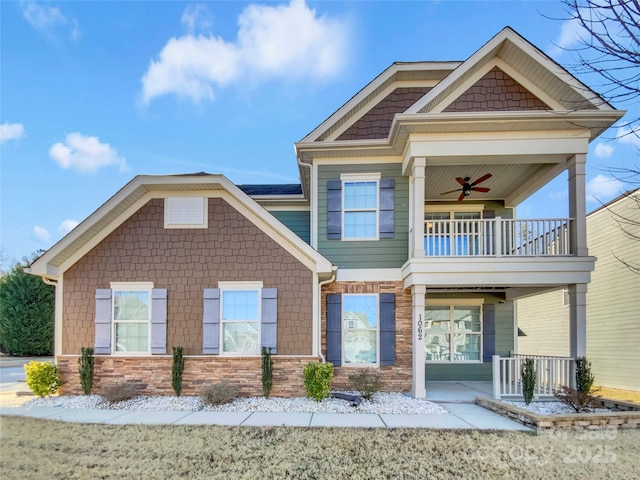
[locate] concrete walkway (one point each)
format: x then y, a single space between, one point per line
463 416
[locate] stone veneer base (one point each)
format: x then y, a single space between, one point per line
575 421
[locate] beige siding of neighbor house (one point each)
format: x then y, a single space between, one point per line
613 298
613 301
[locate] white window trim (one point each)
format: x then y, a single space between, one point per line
205 213
452 303
235 286
453 208
361 177
343 330
130 287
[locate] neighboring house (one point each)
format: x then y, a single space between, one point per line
384 256
613 317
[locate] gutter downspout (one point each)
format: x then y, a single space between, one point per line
320 285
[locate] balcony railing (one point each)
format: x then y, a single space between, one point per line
497 237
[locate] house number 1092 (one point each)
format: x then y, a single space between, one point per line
419 326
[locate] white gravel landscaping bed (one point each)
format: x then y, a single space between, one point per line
551 408
381 403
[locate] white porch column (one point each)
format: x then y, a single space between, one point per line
578 205
416 219
578 320
418 293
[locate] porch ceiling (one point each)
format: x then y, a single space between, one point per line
506 178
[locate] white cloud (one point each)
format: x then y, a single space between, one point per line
629 136
571 33
602 188
282 41
197 18
49 20
603 150
11 131
66 226
41 233
85 154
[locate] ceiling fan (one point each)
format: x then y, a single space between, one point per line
467 187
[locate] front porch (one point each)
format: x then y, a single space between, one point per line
457 392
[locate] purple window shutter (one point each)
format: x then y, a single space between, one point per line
387 200
334 210
387 329
159 321
334 329
211 321
269 322
102 344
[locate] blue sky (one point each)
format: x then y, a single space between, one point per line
94 93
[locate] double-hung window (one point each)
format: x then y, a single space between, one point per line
453 333
240 317
360 314
131 304
360 207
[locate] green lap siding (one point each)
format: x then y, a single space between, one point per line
387 253
478 371
299 222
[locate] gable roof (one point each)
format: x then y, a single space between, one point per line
135 194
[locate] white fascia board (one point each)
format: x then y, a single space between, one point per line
221 188
492 147
507 34
383 77
369 275
497 271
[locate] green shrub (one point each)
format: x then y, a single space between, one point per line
43 378
121 391
267 371
218 393
26 314
86 369
367 382
317 380
584 377
528 373
176 370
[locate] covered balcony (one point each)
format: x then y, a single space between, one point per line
497 237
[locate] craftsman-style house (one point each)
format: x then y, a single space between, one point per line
399 250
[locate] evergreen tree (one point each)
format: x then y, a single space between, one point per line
26 314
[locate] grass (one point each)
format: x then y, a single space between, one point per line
617 394
44 449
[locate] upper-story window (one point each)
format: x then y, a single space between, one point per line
185 212
360 209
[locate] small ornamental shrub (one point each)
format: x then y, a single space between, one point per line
528 373
367 382
267 371
317 380
43 378
86 369
176 370
579 401
584 377
121 391
581 398
218 393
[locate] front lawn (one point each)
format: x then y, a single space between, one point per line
44 449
